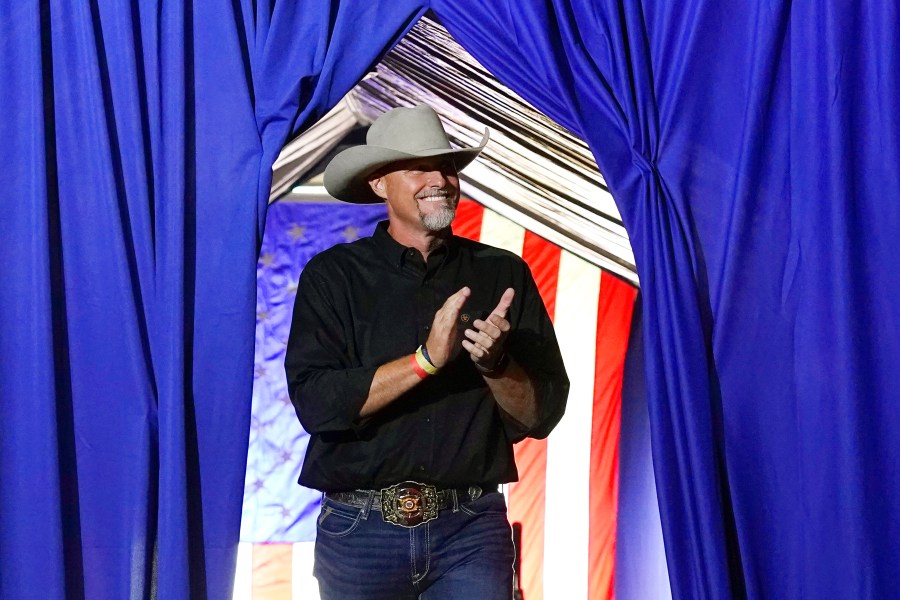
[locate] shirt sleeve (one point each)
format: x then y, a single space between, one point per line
532 343
326 388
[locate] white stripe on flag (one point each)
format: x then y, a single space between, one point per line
303 585
569 446
243 574
500 232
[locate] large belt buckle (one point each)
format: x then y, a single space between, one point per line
409 504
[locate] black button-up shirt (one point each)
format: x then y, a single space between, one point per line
364 304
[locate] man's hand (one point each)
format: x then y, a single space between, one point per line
442 339
485 342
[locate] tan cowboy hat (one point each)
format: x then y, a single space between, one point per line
399 134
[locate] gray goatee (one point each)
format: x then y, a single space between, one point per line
441 218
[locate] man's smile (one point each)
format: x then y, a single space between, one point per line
434 197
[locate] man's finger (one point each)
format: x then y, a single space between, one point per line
459 298
473 349
455 302
485 340
505 301
494 321
495 326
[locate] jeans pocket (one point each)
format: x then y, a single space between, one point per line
338 520
494 503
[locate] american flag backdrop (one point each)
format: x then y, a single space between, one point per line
566 496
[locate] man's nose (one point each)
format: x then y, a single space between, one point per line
436 178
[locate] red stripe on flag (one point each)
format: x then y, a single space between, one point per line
469 215
543 260
614 313
272 571
526 498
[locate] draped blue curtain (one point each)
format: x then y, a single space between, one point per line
753 151
137 143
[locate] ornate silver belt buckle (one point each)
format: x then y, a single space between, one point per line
409 504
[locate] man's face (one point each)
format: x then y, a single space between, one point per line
422 193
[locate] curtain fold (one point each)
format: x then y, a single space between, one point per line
138 144
591 68
752 151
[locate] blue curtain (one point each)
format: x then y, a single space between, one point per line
137 142
753 149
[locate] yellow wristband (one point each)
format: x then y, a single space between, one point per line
424 363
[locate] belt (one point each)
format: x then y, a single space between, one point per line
410 503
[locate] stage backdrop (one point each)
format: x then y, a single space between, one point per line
567 495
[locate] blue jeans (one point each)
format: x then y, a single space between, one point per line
466 553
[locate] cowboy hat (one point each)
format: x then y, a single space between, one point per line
399 134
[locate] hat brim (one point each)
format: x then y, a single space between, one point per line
347 175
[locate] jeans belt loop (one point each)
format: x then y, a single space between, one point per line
455 498
368 505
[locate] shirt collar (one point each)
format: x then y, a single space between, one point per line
390 248
394 251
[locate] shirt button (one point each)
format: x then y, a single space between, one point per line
428 419
427 327
421 467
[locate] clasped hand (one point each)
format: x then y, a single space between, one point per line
484 342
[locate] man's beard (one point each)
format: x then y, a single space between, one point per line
440 218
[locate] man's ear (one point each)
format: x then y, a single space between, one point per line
376 182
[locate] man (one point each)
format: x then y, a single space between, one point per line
416 359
